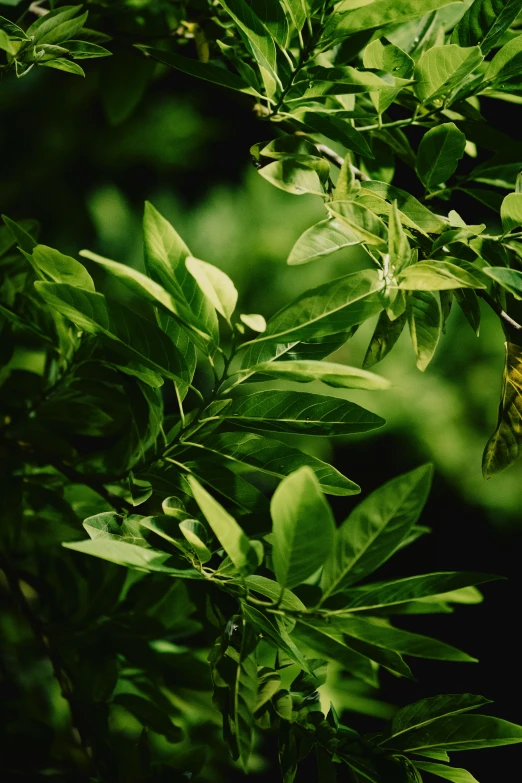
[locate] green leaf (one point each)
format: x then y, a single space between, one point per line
271 589
136 337
22 238
331 308
276 633
299 12
375 529
112 526
382 55
82 50
511 212
439 276
320 240
510 279
274 19
346 185
425 322
408 205
422 713
312 414
410 589
505 445
448 773
5 43
468 302
276 459
289 145
195 534
505 65
253 28
463 732
438 755
384 338
254 321
359 219
226 529
131 556
399 251
60 64
439 152
442 69
338 130
374 15
11 29
57 26
165 256
210 73
215 284
397 640
234 668
457 235
484 23
298 175
60 268
337 375
330 644
144 287
377 653
303 528
219 476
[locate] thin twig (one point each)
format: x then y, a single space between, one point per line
499 311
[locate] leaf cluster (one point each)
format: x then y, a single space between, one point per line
149 409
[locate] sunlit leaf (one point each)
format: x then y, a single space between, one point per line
360 220
442 68
511 211
320 240
484 23
337 375
439 276
448 773
425 322
303 528
226 529
375 528
215 284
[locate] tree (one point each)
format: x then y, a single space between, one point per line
158 397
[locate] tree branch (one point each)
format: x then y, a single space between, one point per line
499 311
34 8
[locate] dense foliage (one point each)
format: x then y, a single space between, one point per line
155 395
